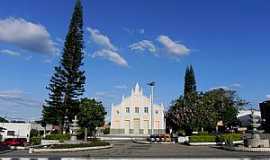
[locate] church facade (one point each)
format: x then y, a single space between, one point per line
133 115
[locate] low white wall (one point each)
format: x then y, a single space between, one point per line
49 142
69 149
120 138
212 143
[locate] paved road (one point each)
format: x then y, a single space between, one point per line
129 149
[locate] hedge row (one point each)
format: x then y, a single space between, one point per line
216 138
92 144
202 138
60 137
35 140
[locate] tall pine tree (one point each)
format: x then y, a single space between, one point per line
190 82
71 61
67 83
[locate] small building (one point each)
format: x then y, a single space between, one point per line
16 130
133 115
265 113
21 130
244 117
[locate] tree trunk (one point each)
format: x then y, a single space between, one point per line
85 134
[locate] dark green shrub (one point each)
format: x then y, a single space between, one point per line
60 137
106 131
35 140
34 133
203 133
202 138
228 138
92 144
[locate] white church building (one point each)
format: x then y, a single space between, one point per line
133 115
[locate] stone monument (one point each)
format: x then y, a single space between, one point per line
255 141
74 130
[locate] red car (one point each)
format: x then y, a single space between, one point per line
15 142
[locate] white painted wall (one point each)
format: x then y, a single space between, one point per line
22 130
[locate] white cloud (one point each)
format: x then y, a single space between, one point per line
173 47
18 105
111 56
17 97
236 85
229 87
26 35
121 86
28 58
101 39
104 94
144 45
9 52
10 93
49 60
219 87
268 96
134 31
141 31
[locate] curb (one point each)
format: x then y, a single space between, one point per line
31 150
212 143
246 149
141 142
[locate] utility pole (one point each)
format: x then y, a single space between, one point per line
152 85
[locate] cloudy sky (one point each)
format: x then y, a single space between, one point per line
135 41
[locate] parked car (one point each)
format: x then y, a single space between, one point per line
153 138
3 147
159 138
162 137
15 142
167 138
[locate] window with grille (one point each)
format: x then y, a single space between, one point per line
137 110
127 110
145 109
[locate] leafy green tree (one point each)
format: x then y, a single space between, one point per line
226 104
206 115
3 120
190 82
201 111
67 83
91 115
182 114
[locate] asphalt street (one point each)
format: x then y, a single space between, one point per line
124 149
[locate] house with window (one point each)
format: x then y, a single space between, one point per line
21 130
134 115
16 130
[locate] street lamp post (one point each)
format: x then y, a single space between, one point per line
152 85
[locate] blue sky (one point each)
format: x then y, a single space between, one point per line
126 42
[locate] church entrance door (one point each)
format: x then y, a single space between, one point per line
136 126
146 126
127 126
